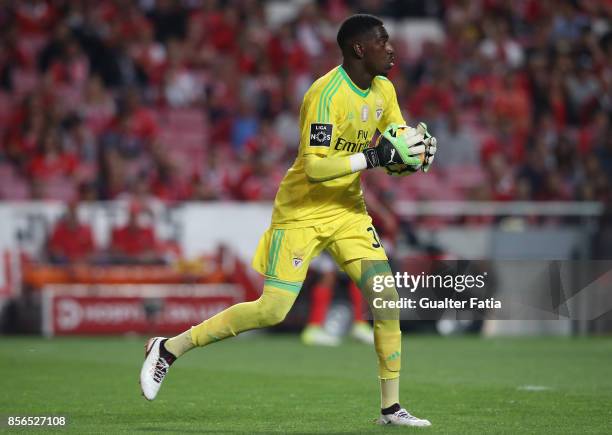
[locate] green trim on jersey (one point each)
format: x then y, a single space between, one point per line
326 95
293 287
277 238
353 86
384 78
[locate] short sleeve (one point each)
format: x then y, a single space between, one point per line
391 111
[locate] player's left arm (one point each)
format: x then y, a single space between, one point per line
391 110
393 115
431 146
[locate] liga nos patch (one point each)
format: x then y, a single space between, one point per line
320 135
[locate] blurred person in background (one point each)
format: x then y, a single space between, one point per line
26 124
78 139
51 161
135 242
321 296
98 106
462 148
181 88
12 56
71 241
70 68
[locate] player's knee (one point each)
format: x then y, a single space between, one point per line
276 316
271 312
271 316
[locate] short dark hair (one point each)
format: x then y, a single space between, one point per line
354 26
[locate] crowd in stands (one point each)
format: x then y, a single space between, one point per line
199 99
135 242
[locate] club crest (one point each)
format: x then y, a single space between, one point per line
365 111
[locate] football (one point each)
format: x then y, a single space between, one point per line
400 169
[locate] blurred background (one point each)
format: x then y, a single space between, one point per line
142 142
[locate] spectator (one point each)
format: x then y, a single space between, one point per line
51 161
180 85
245 126
71 241
150 55
71 68
11 56
78 139
460 143
201 190
138 119
257 180
135 243
98 107
498 46
35 16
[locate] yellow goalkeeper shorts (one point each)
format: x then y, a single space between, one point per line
284 254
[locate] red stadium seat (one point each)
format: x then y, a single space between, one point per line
61 189
14 188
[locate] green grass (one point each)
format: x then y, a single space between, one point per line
273 384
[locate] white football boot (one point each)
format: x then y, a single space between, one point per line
154 368
403 418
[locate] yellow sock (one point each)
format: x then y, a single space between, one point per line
389 392
180 344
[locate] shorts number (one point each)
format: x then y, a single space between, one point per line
376 243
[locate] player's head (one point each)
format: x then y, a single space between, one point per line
363 37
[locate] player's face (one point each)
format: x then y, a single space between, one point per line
379 56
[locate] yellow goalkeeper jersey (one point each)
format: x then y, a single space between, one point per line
337 118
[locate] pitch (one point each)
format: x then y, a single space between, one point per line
274 384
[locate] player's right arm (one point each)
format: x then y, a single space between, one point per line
320 169
319 121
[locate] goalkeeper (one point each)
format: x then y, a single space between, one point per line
319 206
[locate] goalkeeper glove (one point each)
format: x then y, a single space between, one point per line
431 146
395 148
